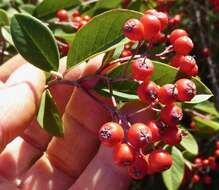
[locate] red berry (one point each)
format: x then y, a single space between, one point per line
177 33
171 136
126 53
123 155
183 45
150 11
159 160
205 162
133 29
195 178
205 52
64 48
151 25
138 169
62 15
187 63
147 92
198 162
163 18
111 133
175 61
186 89
217 144
207 180
171 115
175 20
142 69
155 131
139 135
216 153
75 13
167 94
159 38
194 71
212 163
86 18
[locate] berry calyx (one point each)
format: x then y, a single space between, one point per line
147 92
139 135
151 25
62 15
138 169
159 160
123 155
167 94
171 136
111 133
186 89
171 115
133 29
183 45
142 69
177 33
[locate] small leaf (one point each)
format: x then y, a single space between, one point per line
48 116
4 20
199 98
48 7
28 8
189 143
206 126
35 42
68 37
174 176
99 35
7 34
207 107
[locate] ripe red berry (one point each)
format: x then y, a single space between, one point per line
183 45
207 179
86 18
194 71
195 178
186 89
139 135
212 163
175 61
133 29
216 153
75 13
142 69
126 53
138 169
205 162
187 63
177 33
111 133
171 136
155 131
198 162
147 92
159 160
175 20
217 144
151 25
171 115
150 11
123 155
205 52
159 38
62 15
167 94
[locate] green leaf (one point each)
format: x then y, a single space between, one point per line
7 34
99 35
207 107
35 42
163 74
206 126
48 116
4 20
28 8
174 176
106 4
189 143
48 7
68 37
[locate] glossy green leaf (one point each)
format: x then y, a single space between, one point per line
206 126
48 7
207 107
35 42
189 143
3 18
102 33
106 4
173 177
48 116
68 37
28 8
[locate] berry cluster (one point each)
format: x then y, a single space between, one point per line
204 167
77 20
130 140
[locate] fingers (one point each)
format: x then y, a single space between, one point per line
102 173
19 101
10 66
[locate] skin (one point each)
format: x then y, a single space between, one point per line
31 159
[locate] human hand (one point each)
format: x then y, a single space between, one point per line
33 160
